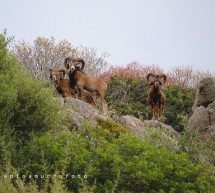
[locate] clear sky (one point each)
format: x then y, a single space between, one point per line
163 32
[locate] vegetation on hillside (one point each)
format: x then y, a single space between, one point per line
127 86
38 144
127 96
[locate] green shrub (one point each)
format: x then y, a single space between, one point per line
26 104
127 96
130 164
178 106
27 111
8 186
127 89
110 128
137 109
162 138
125 164
199 149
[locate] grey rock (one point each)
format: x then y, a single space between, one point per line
80 111
160 125
203 116
211 112
199 120
211 130
205 93
132 124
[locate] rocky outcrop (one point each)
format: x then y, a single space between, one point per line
199 119
80 112
203 116
211 112
161 126
132 124
205 93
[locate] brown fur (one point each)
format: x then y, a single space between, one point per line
62 85
83 81
156 99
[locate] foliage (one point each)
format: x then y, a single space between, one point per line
8 186
162 138
19 186
133 69
139 110
46 53
178 106
35 139
200 149
185 76
125 164
177 76
110 128
127 96
134 165
26 105
127 89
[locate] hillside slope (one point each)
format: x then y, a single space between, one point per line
47 146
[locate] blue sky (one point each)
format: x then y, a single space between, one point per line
163 32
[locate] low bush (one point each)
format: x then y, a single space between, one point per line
127 96
130 164
178 106
27 105
110 128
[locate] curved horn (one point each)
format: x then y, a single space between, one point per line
163 77
80 61
66 62
150 75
